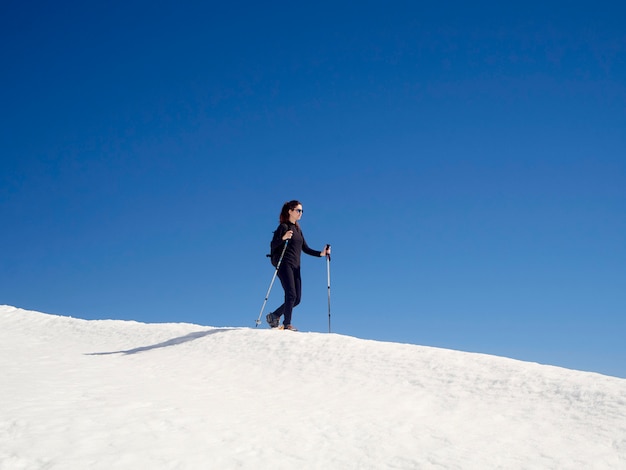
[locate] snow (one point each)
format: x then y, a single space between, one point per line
107 394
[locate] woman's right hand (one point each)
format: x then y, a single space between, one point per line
288 235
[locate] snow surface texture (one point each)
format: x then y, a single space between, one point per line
79 394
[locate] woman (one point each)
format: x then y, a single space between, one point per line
289 270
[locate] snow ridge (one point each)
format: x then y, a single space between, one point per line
109 394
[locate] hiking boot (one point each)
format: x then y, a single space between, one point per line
290 327
272 321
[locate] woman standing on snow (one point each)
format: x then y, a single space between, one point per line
289 270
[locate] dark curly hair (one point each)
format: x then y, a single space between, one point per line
284 212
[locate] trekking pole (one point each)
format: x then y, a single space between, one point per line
328 275
258 320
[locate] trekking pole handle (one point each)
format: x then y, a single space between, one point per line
327 247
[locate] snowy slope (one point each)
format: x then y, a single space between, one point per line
79 394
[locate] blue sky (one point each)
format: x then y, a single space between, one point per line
466 162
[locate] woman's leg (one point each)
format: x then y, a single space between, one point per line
298 284
287 276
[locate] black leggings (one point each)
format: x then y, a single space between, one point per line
292 285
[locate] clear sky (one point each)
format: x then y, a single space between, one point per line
467 162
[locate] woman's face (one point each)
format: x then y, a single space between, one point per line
296 213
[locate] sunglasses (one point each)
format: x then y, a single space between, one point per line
298 210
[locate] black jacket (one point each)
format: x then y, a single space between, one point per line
297 244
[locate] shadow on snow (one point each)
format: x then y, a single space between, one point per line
165 344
